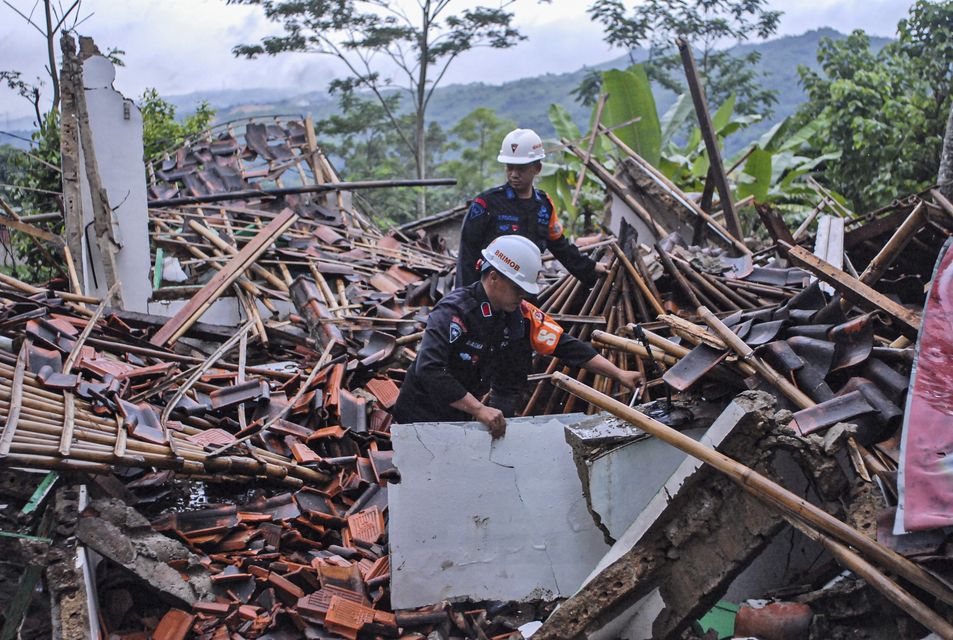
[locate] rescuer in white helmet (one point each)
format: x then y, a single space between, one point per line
479 342
516 207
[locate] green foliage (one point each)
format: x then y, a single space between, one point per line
630 96
161 131
770 170
472 148
886 110
34 172
706 24
421 44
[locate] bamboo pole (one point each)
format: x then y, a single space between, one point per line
631 346
876 579
763 489
637 278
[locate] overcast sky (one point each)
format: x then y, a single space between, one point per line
180 46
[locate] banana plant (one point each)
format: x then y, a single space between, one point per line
770 169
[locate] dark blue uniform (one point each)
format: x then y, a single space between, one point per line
468 347
499 212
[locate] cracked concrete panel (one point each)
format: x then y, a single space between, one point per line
622 468
488 520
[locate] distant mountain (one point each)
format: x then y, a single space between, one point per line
527 100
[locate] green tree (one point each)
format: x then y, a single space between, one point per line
384 47
363 141
885 111
707 25
160 129
474 144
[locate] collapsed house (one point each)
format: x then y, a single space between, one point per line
196 439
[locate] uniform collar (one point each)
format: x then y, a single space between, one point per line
511 194
483 301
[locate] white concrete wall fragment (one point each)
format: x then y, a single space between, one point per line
624 480
116 128
488 520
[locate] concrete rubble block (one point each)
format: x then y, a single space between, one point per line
119 533
474 518
682 552
621 468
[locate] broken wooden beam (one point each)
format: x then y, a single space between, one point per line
200 302
732 222
853 289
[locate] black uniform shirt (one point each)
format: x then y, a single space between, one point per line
469 348
499 212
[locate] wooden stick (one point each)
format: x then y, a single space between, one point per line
891 251
631 346
762 488
876 579
200 302
589 146
637 278
681 196
16 397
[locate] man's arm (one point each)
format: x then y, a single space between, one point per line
603 367
490 416
433 359
433 370
583 267
471 243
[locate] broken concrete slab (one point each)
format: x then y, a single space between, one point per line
119 533
621 468
694 537
488 520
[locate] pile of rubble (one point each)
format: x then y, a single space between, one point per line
242 474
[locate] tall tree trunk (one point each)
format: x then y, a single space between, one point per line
420 129
945 174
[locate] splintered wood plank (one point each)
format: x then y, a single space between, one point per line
201 301
16 397
853 289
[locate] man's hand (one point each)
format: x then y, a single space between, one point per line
628 379
493 419
602 268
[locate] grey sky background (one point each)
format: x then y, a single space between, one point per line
181 46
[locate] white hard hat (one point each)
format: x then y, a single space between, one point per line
518 259
521 146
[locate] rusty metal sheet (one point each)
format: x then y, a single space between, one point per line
826 414
691 368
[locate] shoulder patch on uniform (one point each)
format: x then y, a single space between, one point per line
455 331
477 208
